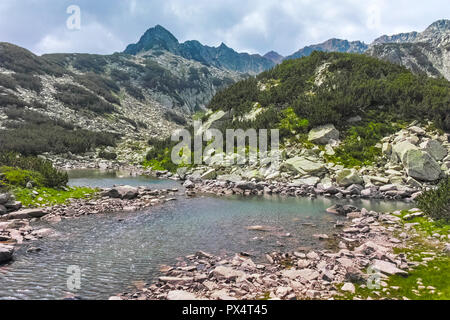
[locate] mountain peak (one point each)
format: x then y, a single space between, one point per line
157 37
273 56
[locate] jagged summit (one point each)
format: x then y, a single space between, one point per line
159 38
154 38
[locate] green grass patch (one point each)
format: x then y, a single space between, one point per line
51 197
18 177
427 225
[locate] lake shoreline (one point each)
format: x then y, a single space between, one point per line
367 242
131 199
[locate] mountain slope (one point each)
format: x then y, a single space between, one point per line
332 45
158 38
123 95
328 88
427 52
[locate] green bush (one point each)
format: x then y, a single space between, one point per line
28 81
436 203
23 61
350 85
159 157
100 85
107 155
40 169
7 82
134 91
11 101
13 177
291 123
359 146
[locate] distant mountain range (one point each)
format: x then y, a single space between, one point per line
156 84
421 52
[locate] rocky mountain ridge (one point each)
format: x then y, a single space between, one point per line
129 95
426 52
332 45
158 38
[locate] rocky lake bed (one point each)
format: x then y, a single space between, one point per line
359 239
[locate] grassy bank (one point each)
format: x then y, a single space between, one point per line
36 183
43 197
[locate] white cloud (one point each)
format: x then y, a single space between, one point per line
92 38
253 25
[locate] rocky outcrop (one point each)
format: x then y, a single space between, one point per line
422 154
122 192
425 52
26 214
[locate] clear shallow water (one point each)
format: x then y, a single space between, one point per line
106 179
115 251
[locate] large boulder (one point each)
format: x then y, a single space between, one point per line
388 268
323 134
435 149
6 253
421 166
122 192
400 150
348 177
27 214
4 198
305 166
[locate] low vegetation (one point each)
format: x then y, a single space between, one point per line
17 171
33 133
43 197
436 203
78 98
359 147
333 87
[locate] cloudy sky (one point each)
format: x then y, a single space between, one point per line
254 26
